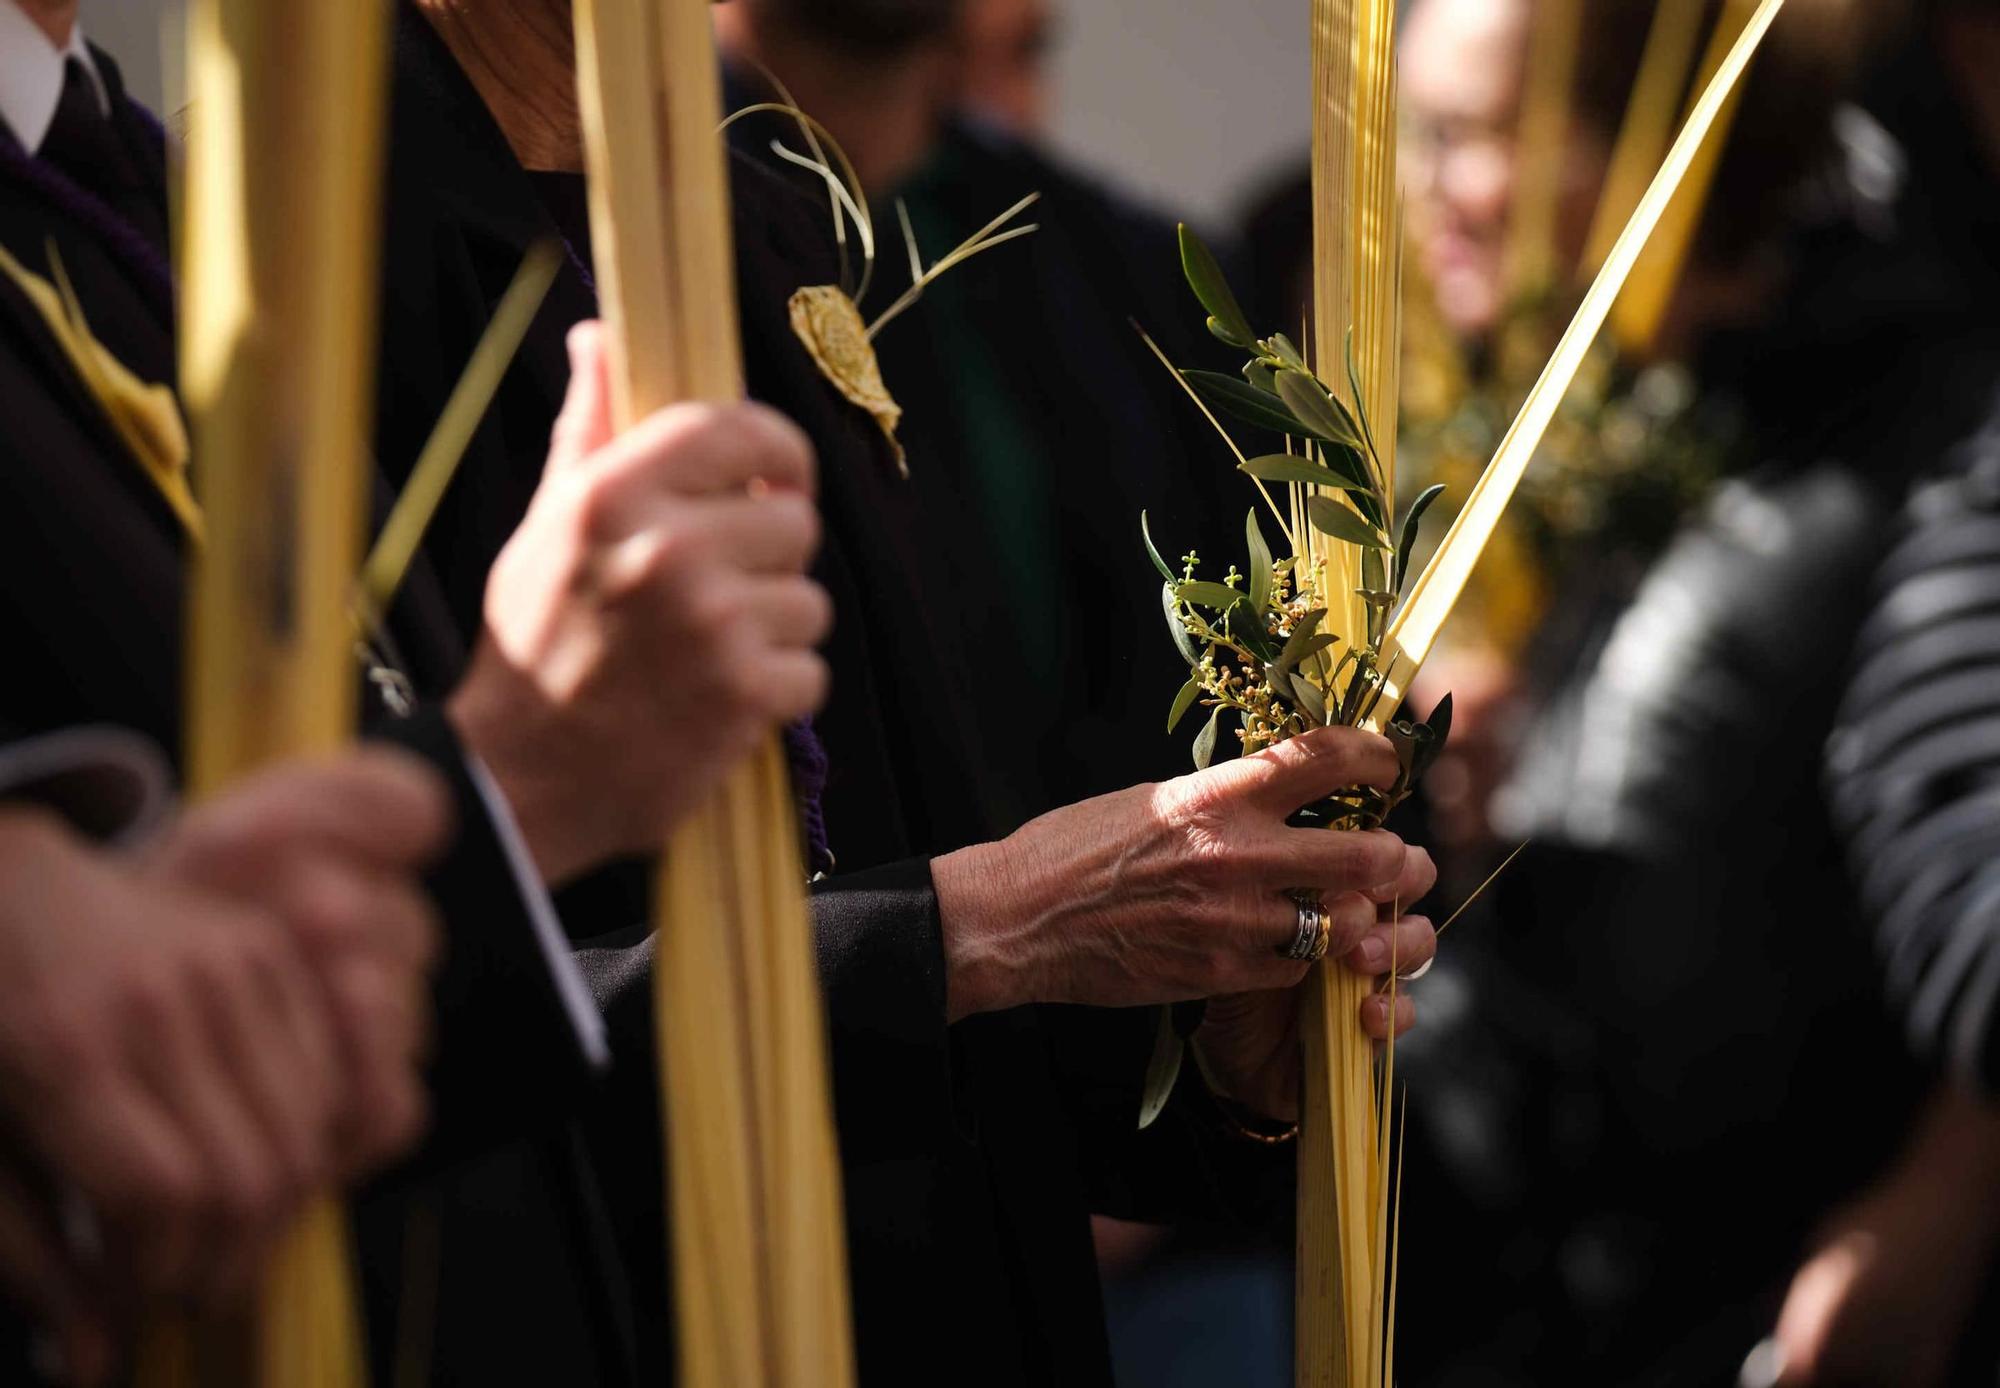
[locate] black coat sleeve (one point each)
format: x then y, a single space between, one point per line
880 956
509 1050
1914 767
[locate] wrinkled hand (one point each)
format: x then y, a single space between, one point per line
1887 1296
333 851
648 623
166 1055
1181 890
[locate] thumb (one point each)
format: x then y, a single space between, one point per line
584 426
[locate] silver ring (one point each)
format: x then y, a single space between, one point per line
1310 939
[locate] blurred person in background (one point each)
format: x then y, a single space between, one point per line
1668 780
982 1112
1674 704
1032 406
1001 56
1900 1288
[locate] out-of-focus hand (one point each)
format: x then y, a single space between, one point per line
649 621
166 1055
1180 890
333 851
1486 698
1249 1042
1887 1296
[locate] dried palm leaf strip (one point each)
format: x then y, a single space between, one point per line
1340 1282
757 1244
279 278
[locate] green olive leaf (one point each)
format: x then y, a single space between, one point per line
1204 741
1205 277
1162 1070
1281 347
1243 401
1329 517
1260 564
1302 632
1183 701
1260 376
1307 696
1311 647
1375 571
1360 399
1352 469
1412 521
1219 596
1313 407
1294 467
1182 641
1439 724
1153 551
1246 624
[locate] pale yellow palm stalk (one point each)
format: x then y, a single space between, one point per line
1349 1207
277 370
754 1190
1343 1172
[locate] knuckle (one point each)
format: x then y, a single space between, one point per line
797 522
594 503
804 691
325 909
717 609
780 443
816 605
658 565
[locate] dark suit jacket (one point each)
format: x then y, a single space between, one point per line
91 563
972 1154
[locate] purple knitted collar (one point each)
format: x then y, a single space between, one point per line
147 264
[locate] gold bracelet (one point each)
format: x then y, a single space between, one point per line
1236 1121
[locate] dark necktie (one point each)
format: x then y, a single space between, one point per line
84 144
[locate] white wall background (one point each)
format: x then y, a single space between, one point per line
1188 102
131 31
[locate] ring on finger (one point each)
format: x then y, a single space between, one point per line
1314 932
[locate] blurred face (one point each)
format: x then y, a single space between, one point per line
1463 67
1003 48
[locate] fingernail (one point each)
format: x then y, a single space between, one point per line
1372 954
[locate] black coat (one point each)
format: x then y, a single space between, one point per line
972 1154
91 596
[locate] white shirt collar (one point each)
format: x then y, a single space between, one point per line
31 75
